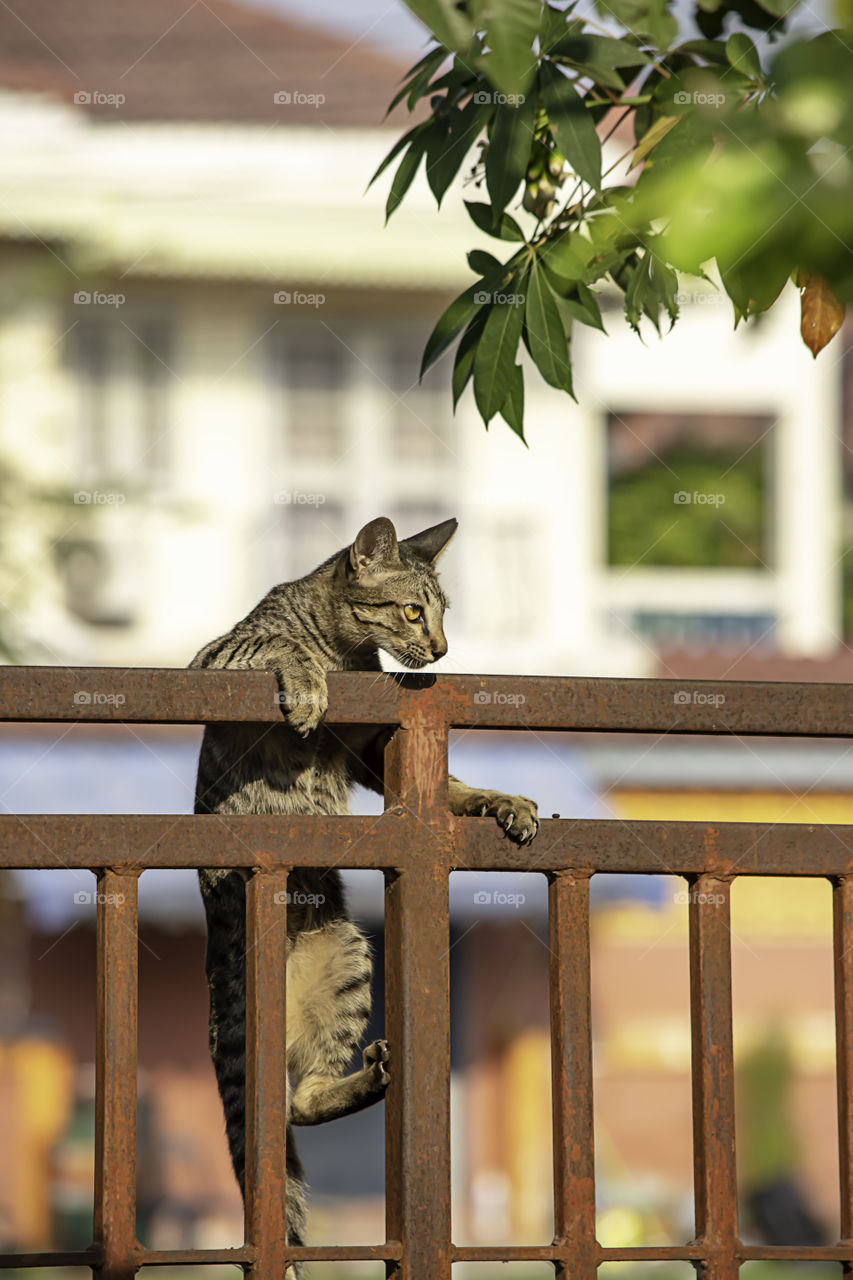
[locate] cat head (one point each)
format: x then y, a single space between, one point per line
392 592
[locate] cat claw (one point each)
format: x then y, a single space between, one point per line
377 1052
376 1057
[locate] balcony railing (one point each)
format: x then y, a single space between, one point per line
417 843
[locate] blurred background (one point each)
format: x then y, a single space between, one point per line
208 381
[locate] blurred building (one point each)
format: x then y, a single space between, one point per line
209 348
208 338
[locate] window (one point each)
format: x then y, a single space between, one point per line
729 631
310 534
419 413
689 490
409 518
351 437
120 365
315 376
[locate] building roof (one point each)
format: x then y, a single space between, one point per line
756 663
207 60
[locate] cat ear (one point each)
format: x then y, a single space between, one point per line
375 547
430 544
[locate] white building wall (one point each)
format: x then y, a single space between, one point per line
527 571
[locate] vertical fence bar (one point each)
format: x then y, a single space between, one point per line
571 1076
115 1074
417 1011
842 920
266 1074
715 1171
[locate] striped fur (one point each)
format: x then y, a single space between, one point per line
335 619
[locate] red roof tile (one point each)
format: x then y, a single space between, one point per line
682 664
193 60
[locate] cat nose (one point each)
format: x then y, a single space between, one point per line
439 649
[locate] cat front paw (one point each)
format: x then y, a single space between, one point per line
377 1056
303 698
515 815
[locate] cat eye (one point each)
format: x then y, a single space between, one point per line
412 612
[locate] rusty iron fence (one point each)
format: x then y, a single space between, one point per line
417 844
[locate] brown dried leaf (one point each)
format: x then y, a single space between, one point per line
822 315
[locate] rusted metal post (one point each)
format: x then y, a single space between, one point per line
266 1075
115 1074
571 1076
417 844
417 1009
842 919
715 1172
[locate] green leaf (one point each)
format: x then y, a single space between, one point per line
743 55
583 306
649 141
447 22
482 215
405 174
556 24
663 292
605 76
567 318
512 409
643 18
571 124
398 147
450 323
458 80
448 151
482 262
509 151
598 51
545 332
568 256
636 291
754 283
417 78
779 8
690 137
711 50
463 363
495 358
511 27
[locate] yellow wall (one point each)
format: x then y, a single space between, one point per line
796 908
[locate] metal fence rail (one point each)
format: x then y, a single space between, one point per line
418 843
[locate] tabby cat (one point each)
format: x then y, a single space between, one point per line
376 594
